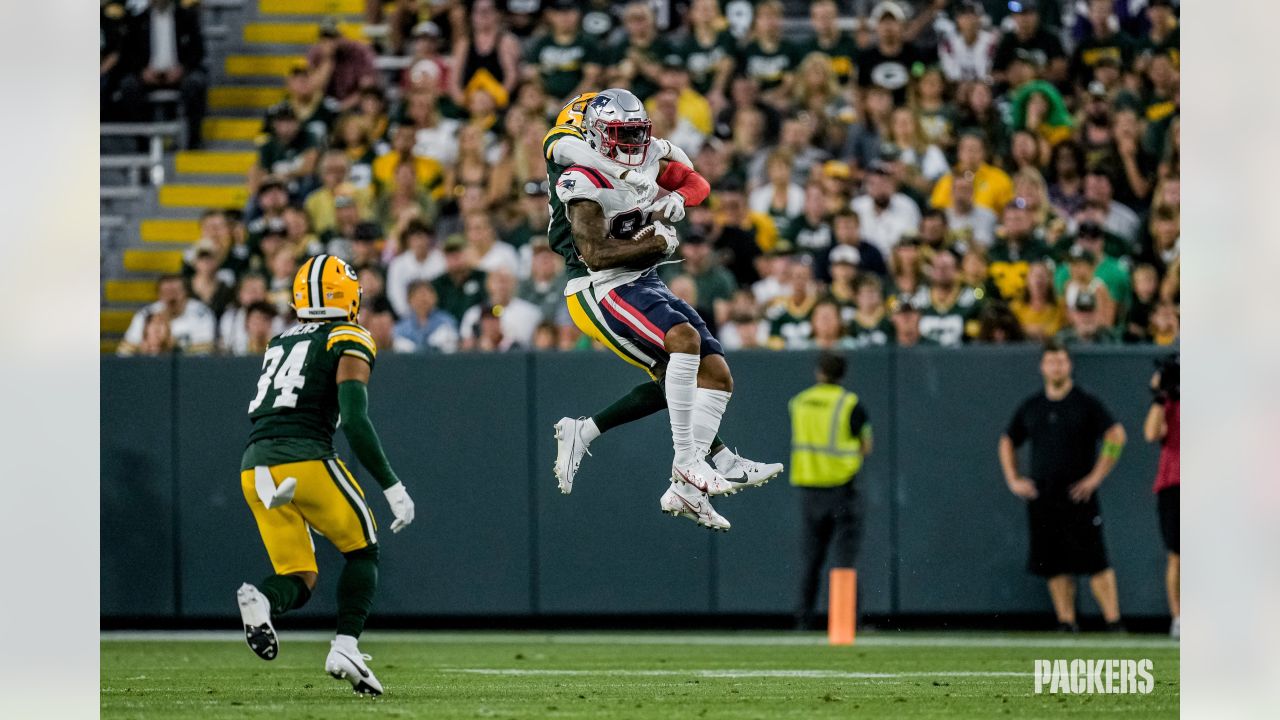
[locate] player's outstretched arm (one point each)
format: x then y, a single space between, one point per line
599 251
353 404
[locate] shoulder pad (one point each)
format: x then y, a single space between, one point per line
579 182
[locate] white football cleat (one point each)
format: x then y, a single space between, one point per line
570 447
704 477
745 473
346 662
683 499
255 613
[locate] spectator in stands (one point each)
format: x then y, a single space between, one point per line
789 316
518 318
817 94
977 114
773 267
1038 310
923 161
870 326
270 201
997 325
315 111
487 59
1137 319
337 238
811 231
906 324
965 48
259 327
1134 183
283 266
779 197
298 234
206 285
113 25
428 65
1121 221
490 252
708 51
352 136
428 171
1162 37
1164 247
768 58
1018 245
233 326
969 223
677 111
546 337
365 247
992 187
828 39
1163 425
379 319
343 67
421 260
847 230
889 63
157 338
1110 273
866 137
1031 41
373 282
191 323
163 48
534 216
828 327
884 214
1085 326
289 155
932 234
1065 174
561 59
634 61
425 325
544 287
744 329
322 203
1065 425
1101 41
948 308
461 286
906 268
715 285
1164 324
405 201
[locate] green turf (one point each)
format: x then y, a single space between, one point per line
592 676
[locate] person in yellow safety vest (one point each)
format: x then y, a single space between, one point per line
830 437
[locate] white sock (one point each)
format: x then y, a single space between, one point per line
708 408
589 431
346 642
682 387
723 459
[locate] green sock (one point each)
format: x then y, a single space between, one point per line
356 585
644 400
285 593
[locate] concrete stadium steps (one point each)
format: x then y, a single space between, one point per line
169 230
237 129
129 291
148 260
254 66
245 97
203 196
295 33
310 7
214 162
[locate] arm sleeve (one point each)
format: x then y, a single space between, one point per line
353 403
681 178
859 421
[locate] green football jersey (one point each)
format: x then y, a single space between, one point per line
297 394
948 323
559 233
559 66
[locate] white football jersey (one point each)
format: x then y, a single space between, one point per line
623 208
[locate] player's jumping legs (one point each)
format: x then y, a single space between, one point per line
682 345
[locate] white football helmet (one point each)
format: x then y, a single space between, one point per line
618 127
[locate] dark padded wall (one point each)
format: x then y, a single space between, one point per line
472 435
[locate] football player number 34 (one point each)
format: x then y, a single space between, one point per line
286 377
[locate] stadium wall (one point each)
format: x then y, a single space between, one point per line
471 436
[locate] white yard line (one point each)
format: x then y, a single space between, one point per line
869 639
814 674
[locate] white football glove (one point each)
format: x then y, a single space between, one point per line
401 506
668 233
640 183
670 207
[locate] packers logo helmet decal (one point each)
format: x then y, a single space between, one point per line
326 288
571 113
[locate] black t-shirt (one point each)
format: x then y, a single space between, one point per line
893 72
1040 49
1064 437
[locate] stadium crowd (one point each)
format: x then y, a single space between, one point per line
944 173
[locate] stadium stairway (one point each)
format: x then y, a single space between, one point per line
144 235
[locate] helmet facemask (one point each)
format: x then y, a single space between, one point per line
625 141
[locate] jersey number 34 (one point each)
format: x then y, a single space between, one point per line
287 377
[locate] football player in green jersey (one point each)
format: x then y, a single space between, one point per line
564 146
294 481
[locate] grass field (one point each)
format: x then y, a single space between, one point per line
624 675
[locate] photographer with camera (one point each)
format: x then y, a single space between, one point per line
1163 426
